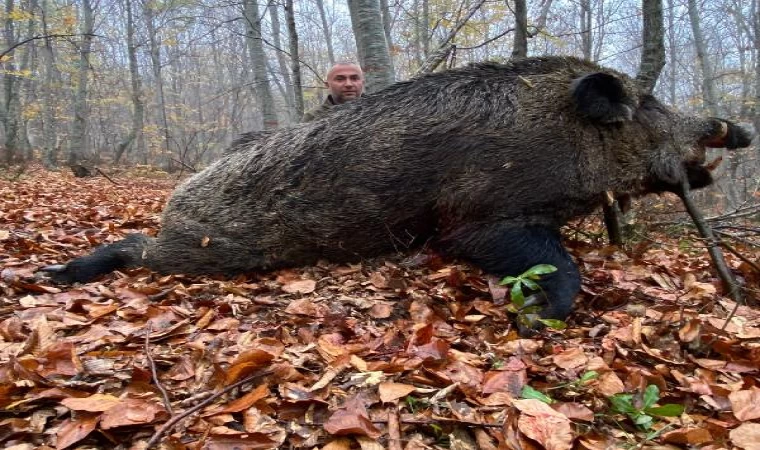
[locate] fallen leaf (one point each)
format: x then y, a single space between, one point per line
261 391
746 404
130 411
543 424
390 392
93 403
74 430
609 384
570 359
351 418
746 436
690 436
300 287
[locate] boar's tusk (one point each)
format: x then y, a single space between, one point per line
723 130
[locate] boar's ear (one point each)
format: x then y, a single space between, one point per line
602 98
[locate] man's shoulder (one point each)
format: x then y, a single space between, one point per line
318 111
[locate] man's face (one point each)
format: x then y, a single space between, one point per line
345 82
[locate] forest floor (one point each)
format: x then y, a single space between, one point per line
409 352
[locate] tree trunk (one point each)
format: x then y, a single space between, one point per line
138 109
672 72
653 51
756 29
295 62
274 14
586 19
520 46
155 60
708 79
49 148
358 35
78 138
418 33
27 85
326 31
10 104
377 66
386 15
425 29
258 61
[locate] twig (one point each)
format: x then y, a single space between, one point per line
445 47
34 38
713 247
394 429
405 419
736 253
161 295
178 417
191 168
488 41
107 177
154 373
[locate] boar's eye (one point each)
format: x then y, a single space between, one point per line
602 98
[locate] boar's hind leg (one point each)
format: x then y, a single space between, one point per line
504 249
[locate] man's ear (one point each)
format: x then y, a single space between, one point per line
602 98
326 84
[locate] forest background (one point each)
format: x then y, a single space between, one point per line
172 83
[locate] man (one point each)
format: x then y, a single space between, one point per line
345 82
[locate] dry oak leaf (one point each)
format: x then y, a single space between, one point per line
570 359
74 430
390 392
610 384
688 436
300 286
307 307
352 418
244 402
746 436
93 403
544 425
746 404
574 410
130 411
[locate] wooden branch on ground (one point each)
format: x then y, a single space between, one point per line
713 247
154 372
106 176
175 419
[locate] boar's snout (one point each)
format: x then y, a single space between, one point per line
723 133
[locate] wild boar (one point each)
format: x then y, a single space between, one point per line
483 163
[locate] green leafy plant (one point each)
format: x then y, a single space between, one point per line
527 312
415 404
529 392
641 409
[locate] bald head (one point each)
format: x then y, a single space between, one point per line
345 81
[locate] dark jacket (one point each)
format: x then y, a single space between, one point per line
319 111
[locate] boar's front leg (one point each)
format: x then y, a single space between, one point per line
505 249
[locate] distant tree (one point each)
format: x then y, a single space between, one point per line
653 49
370 37
274 15
700 46
295 62
520 46
138 108
262 87
78 137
